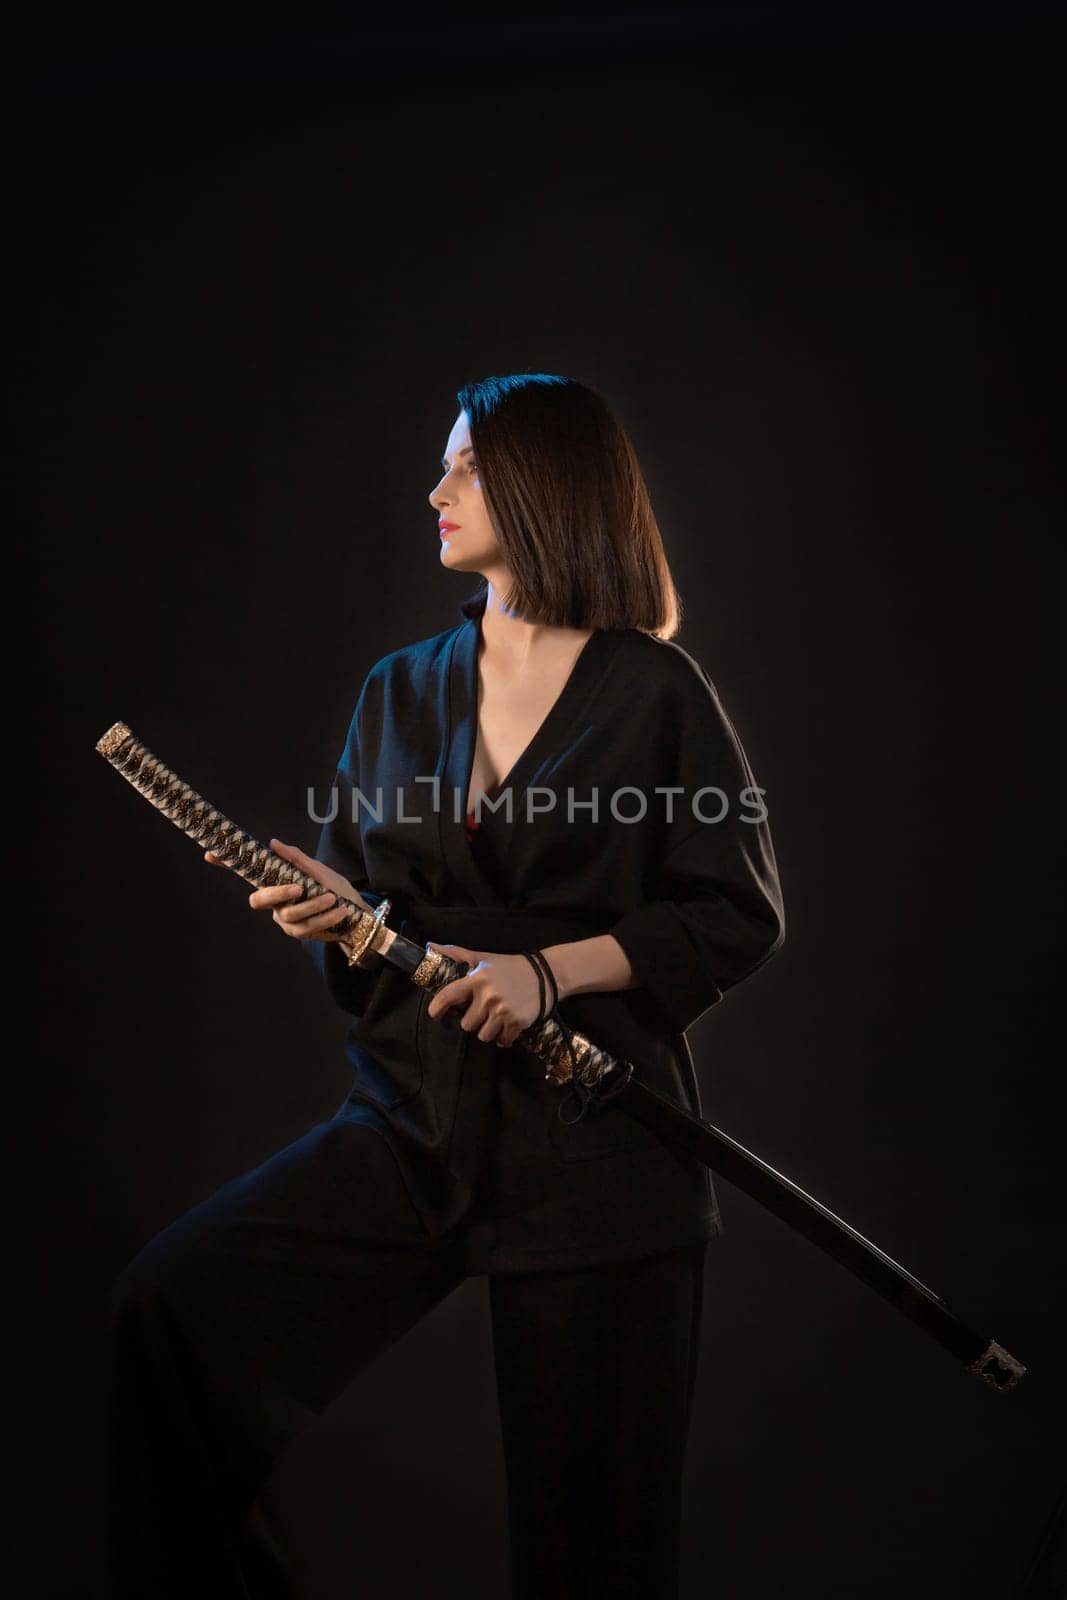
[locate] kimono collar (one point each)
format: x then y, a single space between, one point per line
553 735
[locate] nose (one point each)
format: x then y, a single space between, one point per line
436 498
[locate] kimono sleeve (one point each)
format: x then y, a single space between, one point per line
716 914
340 847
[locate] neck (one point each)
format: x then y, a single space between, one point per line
508 638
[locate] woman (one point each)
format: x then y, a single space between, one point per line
553 775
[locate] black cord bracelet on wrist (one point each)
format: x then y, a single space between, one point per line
542 960
541 1012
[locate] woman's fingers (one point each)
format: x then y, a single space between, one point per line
455 993
307 910
320 872
496 992
492 1030
299 917
290 853
279 894
310 927
297 858
478 1016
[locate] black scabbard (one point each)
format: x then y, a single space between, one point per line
807 1216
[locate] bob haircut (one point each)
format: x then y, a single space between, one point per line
569 507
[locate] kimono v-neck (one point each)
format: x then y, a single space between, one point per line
560 728
481 1153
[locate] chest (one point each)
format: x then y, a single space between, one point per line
511 710
559 747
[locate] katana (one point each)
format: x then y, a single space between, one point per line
569 1057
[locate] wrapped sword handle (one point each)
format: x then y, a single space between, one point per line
237 850
567 1056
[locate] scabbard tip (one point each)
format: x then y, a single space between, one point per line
998 1368
115 736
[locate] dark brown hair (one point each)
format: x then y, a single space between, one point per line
569 507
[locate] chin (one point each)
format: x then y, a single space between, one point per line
452 558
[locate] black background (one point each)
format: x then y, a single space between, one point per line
810 259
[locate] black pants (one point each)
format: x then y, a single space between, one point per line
238 1325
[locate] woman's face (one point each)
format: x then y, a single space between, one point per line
469 543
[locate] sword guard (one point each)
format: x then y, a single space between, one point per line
362 943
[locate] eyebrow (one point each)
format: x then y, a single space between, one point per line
464 452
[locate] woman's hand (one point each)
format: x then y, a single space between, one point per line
501 993
303 919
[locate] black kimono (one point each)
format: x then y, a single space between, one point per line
586 840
